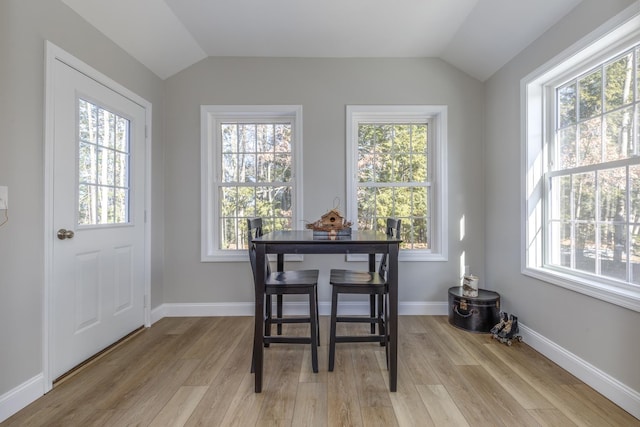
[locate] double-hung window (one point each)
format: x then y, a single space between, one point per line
396 168
250 168
583 170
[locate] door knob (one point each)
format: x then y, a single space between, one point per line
65 234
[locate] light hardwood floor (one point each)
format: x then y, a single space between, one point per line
195 372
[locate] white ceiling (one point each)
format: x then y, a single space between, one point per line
476 36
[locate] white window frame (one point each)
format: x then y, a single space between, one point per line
211 175
619 33
436 117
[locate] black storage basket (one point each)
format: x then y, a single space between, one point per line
474 314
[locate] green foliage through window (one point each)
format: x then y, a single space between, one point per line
392 179
103 166
256 181
594 182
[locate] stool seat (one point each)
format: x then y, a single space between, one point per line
292 279
350 278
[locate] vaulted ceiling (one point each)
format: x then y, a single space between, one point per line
476 36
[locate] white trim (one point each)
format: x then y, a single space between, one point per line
613 35
439 224
147 211
613 294
158 313
209 160
613 389
593 43
53 53
19 397
292 308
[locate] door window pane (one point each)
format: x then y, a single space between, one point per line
103 166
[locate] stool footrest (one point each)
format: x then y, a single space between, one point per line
352 319
361 338
286 340
281 320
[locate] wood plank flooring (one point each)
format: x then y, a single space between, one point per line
195 372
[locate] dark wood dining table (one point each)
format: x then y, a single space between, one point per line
304 242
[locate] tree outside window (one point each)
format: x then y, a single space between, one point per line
594 218
581 168
395 161
250 168
392 179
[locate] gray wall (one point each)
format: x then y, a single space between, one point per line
600 333
323 87
24 26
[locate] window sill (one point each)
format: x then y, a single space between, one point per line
619 295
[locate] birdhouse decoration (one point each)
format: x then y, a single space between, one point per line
332 219
331 223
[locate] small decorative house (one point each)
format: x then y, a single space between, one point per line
331 224
332 219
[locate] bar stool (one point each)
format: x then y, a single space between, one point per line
362 282
281 283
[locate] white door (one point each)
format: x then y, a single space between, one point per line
97 286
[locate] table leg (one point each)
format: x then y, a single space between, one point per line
372 298
280 267
258 337
392 279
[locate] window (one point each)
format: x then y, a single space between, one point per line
582 225
250 168
396 167
103 166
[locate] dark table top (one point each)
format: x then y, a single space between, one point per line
306 236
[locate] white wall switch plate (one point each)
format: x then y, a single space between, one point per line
4 197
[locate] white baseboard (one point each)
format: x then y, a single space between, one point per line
619 393
201 310
291 308
21 396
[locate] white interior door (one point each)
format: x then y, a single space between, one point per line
97 286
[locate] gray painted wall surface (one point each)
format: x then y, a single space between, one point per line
324 87
24 27
486 195
600 333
